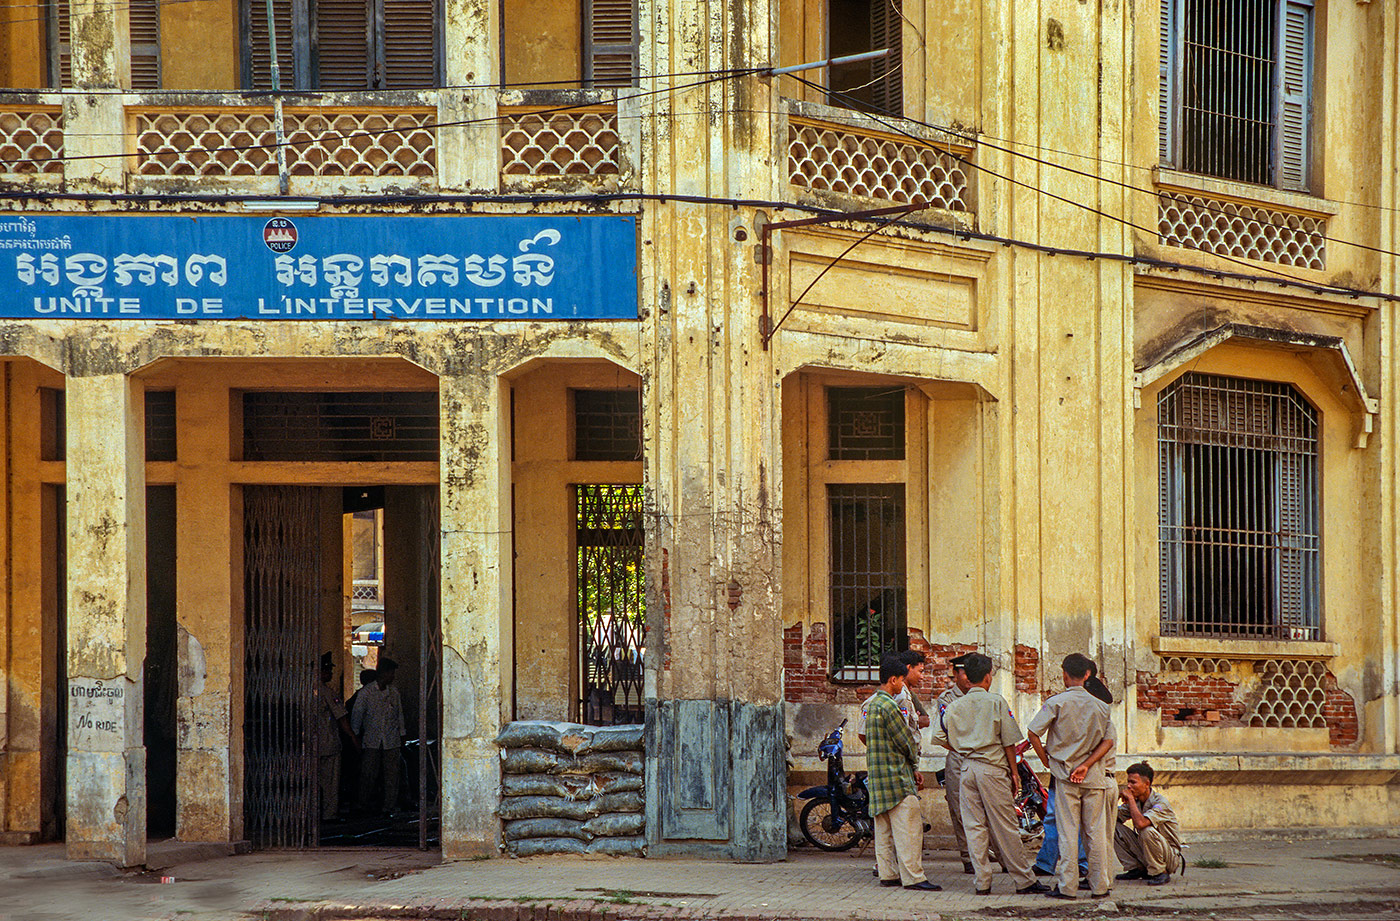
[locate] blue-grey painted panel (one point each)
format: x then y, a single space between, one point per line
385 267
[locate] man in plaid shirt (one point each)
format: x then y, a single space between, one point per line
892 762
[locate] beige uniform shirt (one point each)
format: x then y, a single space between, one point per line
1072 724
978 726
1159 812
954 760
328 718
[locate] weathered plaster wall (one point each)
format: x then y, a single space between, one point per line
199 45
543 42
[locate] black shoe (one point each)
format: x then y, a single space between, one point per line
986 891
890 882
1039 872
1161 879
1084 883
1033 888
1099 895
925 886
1057 894
1139 873
967 867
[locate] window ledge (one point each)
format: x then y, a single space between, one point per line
1170 180
1242 649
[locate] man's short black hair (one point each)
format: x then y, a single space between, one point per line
1142 769
891 666
959 661
387 664
912 657
1094 685
1076 665
976 666
367 676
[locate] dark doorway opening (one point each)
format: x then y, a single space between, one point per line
611 602
160 676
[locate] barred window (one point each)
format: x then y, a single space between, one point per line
1239 512
865 423
867 578
607 425
1235 89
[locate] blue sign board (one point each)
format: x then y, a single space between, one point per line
380 267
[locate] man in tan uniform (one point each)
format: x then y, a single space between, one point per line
1146 837
980 727
1071 734
952 767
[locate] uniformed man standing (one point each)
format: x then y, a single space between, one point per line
952 767
1071 734
980 727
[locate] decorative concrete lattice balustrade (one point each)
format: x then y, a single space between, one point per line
840 159
579 144
1228 228
320 142
31 140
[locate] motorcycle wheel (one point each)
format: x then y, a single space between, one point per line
819 827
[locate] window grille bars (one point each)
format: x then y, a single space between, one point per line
607 425
868 578
866 423
336 426
1239 527
611 603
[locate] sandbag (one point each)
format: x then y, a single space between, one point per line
569 786
617 847
568 738
618 802
546 828
539 807
617 783
532 761
623 762
532 847
614 824
617 738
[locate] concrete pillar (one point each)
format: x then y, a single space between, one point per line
471 58
209 765
477 653
715 736
402 593
94 125
106 619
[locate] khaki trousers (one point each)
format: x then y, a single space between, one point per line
1081 809
899 842
952 790
328 779
1146 850
989 818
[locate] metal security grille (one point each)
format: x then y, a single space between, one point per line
1235 89
867 578
160 425
338 426
608 425
866 423
1238 507
611 602
430 674
282 605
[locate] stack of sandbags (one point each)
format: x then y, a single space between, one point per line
571 789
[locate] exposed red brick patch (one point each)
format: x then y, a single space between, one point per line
1027 668
1343 728
1187 701
806 677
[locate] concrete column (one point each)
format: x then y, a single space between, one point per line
106 619
477 653
94 125
471 58
402 593
209 766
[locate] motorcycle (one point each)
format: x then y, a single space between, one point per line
1031 797
837 814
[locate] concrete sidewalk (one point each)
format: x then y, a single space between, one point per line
1354 879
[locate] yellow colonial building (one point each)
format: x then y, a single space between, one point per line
683 371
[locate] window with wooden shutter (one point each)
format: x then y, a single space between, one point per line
856 27
610 54
144 26
345 45
1235 87
409 52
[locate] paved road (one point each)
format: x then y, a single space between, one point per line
1352 879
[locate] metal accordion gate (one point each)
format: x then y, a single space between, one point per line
611 602
281 587
430 672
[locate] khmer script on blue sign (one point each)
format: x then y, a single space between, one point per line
382 267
